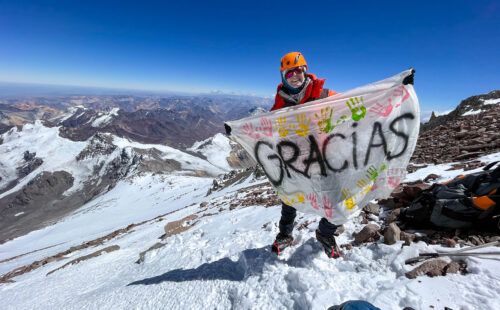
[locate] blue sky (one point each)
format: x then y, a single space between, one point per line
236 46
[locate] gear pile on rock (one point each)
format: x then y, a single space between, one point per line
451 138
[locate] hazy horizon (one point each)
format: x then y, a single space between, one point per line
20 90
233 47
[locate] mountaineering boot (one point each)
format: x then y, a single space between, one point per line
282 242
331 248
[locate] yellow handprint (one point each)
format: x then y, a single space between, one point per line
281 126
364 186
349 201
297 198
303 122
361 184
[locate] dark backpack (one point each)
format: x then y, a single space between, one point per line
467 201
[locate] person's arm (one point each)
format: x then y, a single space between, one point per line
278 103
331 92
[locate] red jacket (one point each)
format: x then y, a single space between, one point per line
314 91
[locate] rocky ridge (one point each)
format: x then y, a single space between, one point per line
177 121
472 104
461 138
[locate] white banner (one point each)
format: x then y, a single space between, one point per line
332 156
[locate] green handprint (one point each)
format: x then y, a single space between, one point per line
372 173
357 109
325 124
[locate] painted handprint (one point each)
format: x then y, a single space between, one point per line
356 105
361 184
328 207
303 123
313 200
281 126
266 127
349 199
381 110
297 198
372 172
394 176
401 91
325 120
364 186
249 131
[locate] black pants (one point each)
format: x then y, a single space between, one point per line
288 215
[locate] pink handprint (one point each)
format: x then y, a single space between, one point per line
328 207
249 131
267 127
313 200
401 91
394 177
381 110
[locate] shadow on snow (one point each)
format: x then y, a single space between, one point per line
251 262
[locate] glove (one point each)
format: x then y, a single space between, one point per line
410 78
228 129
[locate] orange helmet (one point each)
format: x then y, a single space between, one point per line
292 60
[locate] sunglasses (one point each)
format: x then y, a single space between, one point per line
290 73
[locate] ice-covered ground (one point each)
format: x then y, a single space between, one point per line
224 261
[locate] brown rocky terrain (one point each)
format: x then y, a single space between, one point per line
461 138
177 121
473 103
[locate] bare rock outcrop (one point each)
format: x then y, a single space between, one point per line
455 137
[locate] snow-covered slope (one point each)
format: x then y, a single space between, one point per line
216 149
104 118
44 177
57 154
212 252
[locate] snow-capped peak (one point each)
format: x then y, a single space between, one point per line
216 150
104 118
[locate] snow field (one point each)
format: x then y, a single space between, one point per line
57 153
215 266
188 162
216 151
129 202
